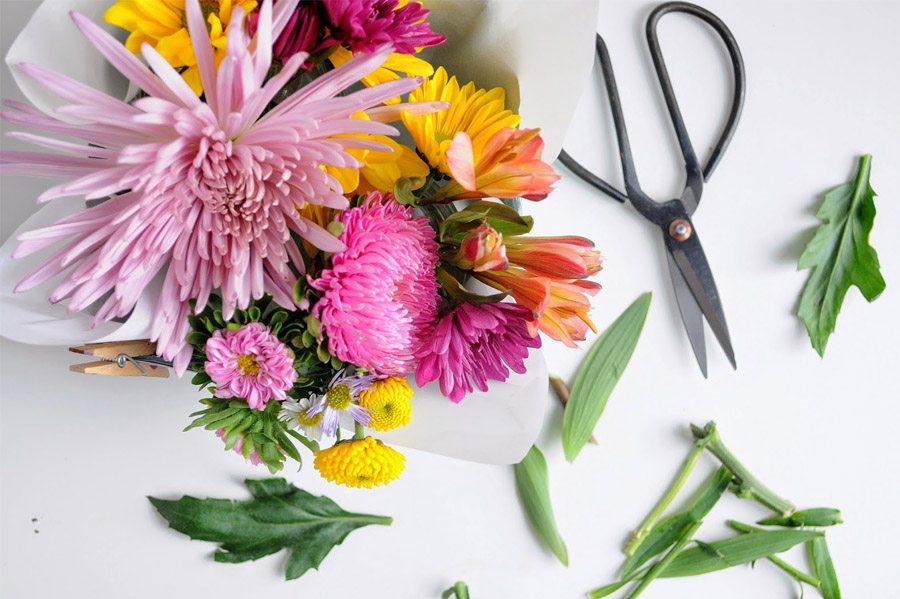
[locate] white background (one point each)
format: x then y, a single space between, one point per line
80 453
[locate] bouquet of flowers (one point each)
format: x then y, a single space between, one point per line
317 219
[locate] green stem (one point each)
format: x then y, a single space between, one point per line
358 431
459 590
798 575
661 565
660 507
748 485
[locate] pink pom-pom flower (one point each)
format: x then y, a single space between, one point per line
380 296
250 363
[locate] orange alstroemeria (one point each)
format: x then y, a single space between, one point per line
509 166
481 249
560 306
568 257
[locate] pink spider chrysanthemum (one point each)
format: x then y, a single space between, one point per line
380 296
203 192
475 343
251 364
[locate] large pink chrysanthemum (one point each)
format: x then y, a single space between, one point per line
380 297
251 364
474 343
208 191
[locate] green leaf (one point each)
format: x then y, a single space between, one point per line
820 516
839 255
598 375
532 484
823 568
735 551
279 516
457 290
667 532
459 590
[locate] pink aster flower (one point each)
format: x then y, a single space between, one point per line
249 363
474 343
366 24
205 193
380 297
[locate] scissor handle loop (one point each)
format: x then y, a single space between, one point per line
737 103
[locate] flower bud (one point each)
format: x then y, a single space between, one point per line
481 250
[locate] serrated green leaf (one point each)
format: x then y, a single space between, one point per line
839 255
735 551
533 486
598 374
823 568
667 532
279 516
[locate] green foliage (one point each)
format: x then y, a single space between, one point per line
839 255
505 219
824 568
667 532
258 431
279 516
598 374
533 486
820 516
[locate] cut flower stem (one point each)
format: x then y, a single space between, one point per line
748 486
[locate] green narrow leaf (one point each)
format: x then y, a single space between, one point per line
668 531
279 516
735 551
659 567
532 484
823 568
598 374
839 255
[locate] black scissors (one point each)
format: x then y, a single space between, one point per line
692 278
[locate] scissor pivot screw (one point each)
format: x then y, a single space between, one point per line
680 229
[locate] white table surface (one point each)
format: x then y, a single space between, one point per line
80 453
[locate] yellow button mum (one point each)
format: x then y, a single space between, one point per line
360 463
388 400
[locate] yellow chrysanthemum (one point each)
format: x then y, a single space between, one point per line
380 170
407 64
388 401
477 112
359 463
163 25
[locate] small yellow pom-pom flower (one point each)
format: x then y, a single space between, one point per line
388 401
360 463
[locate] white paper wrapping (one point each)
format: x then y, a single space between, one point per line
540 52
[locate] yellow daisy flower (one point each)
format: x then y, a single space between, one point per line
359 463
477 112
380 170
163 25
388 402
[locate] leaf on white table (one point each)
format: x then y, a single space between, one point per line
598 375
279 516
533 486
839 255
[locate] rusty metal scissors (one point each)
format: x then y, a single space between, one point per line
692 278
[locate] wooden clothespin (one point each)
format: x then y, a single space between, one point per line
121 358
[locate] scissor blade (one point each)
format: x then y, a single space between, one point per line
691 261
691 315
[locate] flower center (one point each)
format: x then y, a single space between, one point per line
339 397
310 421
248 365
